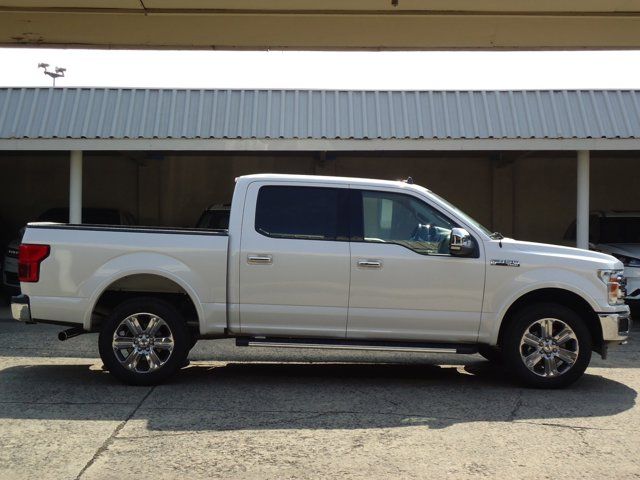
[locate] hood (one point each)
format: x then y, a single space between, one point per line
626 249
542 251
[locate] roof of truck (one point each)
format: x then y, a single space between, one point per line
330 179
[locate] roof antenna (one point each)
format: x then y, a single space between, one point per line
409 180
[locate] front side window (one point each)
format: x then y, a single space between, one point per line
308 213
404 220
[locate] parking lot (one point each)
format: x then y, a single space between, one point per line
258 413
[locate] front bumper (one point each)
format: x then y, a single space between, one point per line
21 309
615 326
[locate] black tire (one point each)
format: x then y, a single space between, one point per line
493 354
174 327
193 339
567 372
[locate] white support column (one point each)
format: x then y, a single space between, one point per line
75 187
582 205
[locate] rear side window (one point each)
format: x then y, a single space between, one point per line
308 213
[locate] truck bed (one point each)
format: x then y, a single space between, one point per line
87 260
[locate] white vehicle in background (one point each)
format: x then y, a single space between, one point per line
617 233
325 262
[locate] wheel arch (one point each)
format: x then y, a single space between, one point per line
129 285
559 296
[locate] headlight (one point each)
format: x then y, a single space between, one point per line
627 261
616 285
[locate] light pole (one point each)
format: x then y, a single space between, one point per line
59 72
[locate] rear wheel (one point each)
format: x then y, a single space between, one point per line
144 341
547 346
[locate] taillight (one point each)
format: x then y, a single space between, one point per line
29 258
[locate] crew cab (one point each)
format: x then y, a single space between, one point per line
325 262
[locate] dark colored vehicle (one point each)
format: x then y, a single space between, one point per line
4 240
215 217
91 216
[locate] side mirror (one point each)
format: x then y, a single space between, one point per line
461 244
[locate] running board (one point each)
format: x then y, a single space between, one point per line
380 346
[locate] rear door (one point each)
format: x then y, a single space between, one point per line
294 260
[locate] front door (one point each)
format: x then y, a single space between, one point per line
294 260
404 283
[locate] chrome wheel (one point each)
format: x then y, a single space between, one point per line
549 347
143 342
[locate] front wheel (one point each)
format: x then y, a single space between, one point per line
547 346
144 341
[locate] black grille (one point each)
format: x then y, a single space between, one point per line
623 325
12 252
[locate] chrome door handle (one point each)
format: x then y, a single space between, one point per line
370 263
259 259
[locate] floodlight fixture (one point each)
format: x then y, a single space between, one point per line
59 71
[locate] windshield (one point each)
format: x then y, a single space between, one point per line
463 215
619 230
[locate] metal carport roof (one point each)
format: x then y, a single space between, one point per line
320 116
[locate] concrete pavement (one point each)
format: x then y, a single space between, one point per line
244 413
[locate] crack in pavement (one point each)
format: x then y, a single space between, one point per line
105 445
516 407
576 428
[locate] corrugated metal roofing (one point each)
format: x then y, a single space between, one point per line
126 113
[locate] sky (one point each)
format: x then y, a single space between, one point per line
328 70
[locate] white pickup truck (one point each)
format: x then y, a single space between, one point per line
325 262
